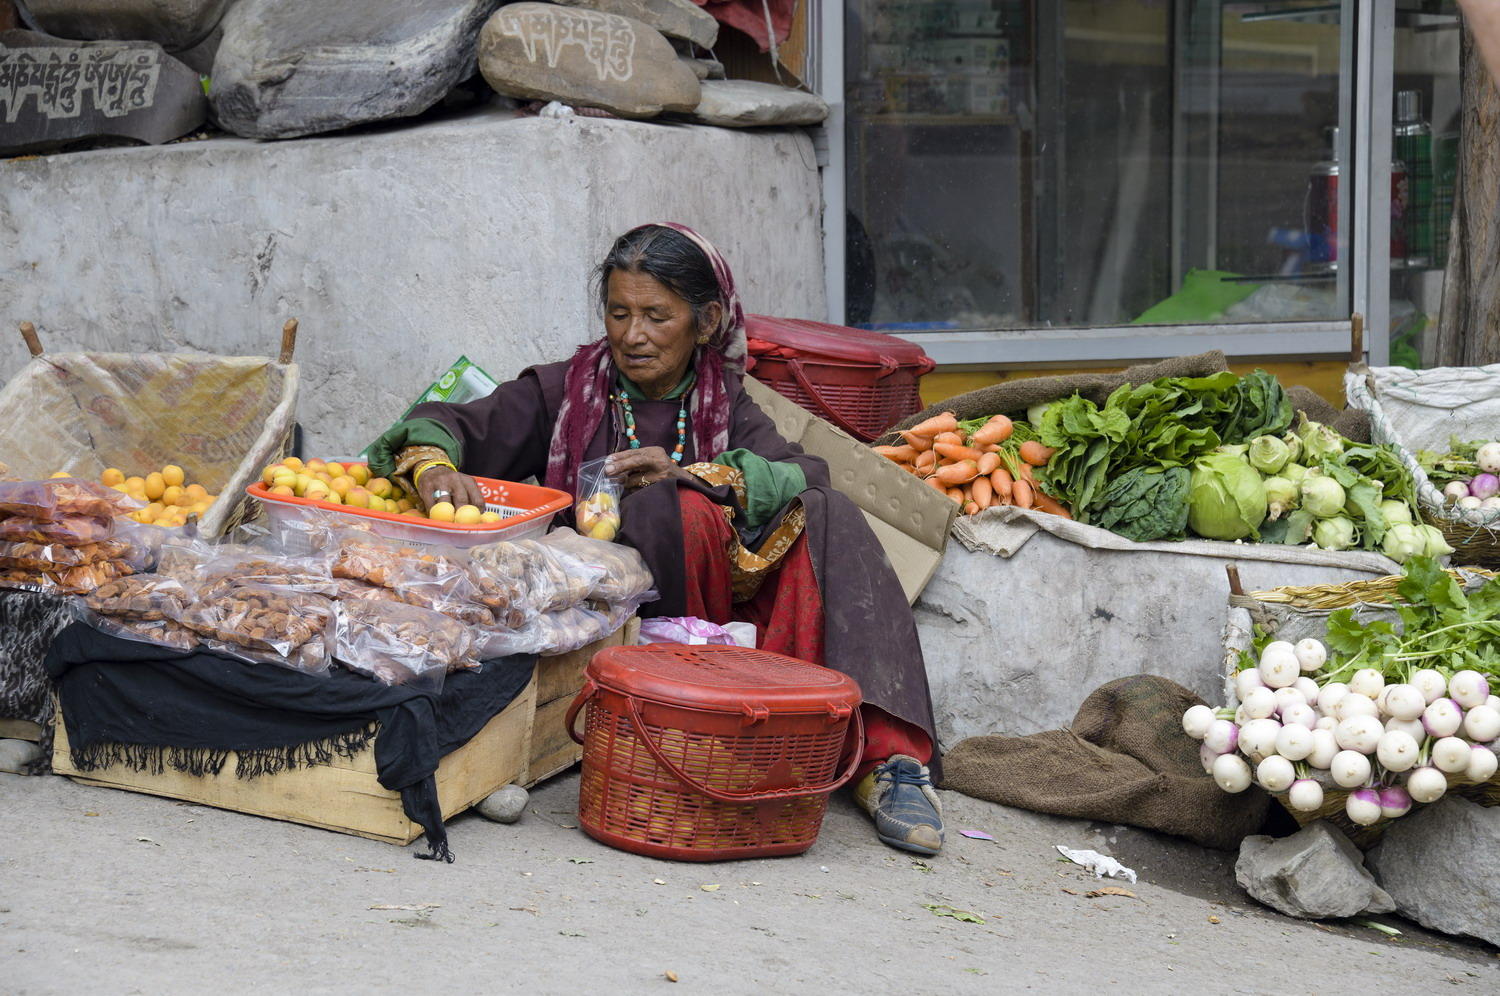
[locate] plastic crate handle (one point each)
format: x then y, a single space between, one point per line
830 412
638 725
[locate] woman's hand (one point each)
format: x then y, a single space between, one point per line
444 484
638 468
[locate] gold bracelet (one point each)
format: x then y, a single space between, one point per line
416 476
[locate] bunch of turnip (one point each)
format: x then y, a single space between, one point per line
1479 497
1390 744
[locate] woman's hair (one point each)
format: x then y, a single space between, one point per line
668 256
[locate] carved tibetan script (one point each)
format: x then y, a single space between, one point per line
607 43
117 80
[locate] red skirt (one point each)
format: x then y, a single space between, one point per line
787 614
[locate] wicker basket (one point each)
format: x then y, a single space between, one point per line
1475 540
1294 613
221 418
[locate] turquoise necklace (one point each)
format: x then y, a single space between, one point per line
635 443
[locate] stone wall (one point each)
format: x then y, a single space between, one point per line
397 250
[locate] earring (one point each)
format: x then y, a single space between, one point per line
703 339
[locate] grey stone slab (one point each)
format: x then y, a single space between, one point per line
1441 864
288 67
1315 873
504 805
583 57
748 104
173 24
56 93
673 18
704 69
17 755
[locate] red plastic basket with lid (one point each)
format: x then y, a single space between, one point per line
863 382
705 753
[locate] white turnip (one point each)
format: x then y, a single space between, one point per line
1222 736
1430 683
1426 784
1231 773
1482 764
1412 727
1258 738
1329 695
1404 701
1196 720
1206 757
1442 718
1325 749
1482 724
1468 688
1241 716
1451 755
1311 655
1299 715
1289 696
1349 769
1294 742
1363 806
1305 795
1275 773
1308 688
1394 802
1279 668
1354 705
1488 458
1260 703
1361 733
1329 723
1367 681
1397 751
1249 679
1454 491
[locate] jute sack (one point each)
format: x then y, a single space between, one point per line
1125 759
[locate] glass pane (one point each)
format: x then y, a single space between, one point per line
1017 163
1425 145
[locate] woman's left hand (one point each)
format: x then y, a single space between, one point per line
638 468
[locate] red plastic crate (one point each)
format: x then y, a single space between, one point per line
706 753
863 382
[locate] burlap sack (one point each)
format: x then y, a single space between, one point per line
1125 760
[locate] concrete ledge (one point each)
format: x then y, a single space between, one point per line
398 249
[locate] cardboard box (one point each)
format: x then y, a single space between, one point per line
910 519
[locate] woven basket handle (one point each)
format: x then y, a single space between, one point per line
742 797
579 701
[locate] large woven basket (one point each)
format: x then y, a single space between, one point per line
1475 539
1294 613
221 418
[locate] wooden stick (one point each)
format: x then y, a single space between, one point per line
1235 588
33 342
288 340
1356 338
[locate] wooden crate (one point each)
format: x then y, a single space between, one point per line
525 743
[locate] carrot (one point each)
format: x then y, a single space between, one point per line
1028 476
926 462
983 491
1003 484
900 454
945 422
956 453
949 437
956 495
1035 453
916 441
996 430
1021 494
937 485
988 462
957 473
991 448
1047 503
971 507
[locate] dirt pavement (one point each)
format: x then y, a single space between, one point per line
109 892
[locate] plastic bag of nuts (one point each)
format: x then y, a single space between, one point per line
398 643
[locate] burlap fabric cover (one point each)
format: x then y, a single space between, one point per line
220 418
1014 397
1124 760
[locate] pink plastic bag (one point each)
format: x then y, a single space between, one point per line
692 630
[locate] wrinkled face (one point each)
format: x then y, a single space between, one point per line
651 331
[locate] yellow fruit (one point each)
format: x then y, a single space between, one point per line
489 517
268 476
198 508
316 464
467 515
342 484
441 512
155 485
333 498
135 484
171 495
173 475
403 504
316 489
285 478
112 477
61 473
282 489
301 485
323 476
120 488
357 497
359 472
149 513
604 529
293 463
379 487
197 492
415 513
334 469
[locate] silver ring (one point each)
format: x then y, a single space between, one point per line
440 495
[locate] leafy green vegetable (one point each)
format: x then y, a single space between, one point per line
1147 504
1226 498
1459 463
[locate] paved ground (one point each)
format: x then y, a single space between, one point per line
109 892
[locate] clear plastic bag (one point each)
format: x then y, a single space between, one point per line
623 572
142 597
238 566
65 580
429 578
398 643
61 497
549 579
58 556
69 529
597 500
161 632
264 625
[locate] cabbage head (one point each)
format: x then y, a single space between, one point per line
1226 498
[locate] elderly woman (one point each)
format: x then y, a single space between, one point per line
735 522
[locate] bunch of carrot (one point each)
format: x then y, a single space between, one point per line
977 466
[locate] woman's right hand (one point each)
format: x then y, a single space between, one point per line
445 484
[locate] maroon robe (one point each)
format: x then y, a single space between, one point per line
869 632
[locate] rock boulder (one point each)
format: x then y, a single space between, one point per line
1313 874
17 755
748 104
1441 865
55 93
541 51
673 18
288 67
173 24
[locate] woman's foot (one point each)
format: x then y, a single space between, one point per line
899 796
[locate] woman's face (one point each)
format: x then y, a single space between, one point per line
651 331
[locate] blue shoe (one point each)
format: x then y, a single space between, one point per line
900 797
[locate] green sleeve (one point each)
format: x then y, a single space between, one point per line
769 484
412 432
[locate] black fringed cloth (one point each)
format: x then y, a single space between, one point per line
152 708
